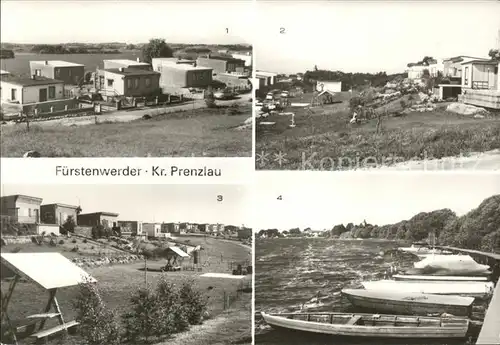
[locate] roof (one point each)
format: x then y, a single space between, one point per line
483 62
28 81
23 196
464 56
2 72
179 251
59 204
99 213
184 66
58 63
223 58
48 270
127 62
131 71
268 74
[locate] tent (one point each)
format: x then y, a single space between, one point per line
50 271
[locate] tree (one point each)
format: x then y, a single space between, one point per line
69 225
294 231
210 98
157 47
494 54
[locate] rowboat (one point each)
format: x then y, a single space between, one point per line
429 278
409 303
472 289
370 325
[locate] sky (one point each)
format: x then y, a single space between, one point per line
125 21
150 203
322 200
371 36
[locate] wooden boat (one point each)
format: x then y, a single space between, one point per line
409 303
429 278
452 265
370 325
473 289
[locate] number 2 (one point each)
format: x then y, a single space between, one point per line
282 30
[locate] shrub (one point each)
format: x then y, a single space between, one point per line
69 225
74 249
192 301
142 320
61 242
98 325
16 250
85 241
52 242
74 241
171 309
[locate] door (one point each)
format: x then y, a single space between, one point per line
42 95
491 79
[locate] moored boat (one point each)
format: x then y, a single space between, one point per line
467 288
370 325
452 265
409 303
430 278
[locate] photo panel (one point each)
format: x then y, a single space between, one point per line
393 258
126 264
375 85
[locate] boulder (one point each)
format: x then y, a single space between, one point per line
466 109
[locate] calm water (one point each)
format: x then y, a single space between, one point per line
20 64
289 272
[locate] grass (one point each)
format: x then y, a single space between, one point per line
324 140
199 133
117 282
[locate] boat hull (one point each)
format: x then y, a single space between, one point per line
428 278
409 332
410 306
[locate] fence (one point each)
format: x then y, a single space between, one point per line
230 297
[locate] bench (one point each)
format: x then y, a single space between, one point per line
353 320
47 332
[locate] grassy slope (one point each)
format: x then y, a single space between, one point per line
326 134
117 282
207 132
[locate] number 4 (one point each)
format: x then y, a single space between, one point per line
280 197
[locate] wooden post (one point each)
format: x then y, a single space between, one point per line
145 272
52 295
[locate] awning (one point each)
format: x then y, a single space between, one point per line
179 251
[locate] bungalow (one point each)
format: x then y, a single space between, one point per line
452 67
58 213
221 64
26 90
69 72
246 57
480 84
181 73
21 208
153 230
170 228
266 78
124 63
128 82
106 219
417 70
130 228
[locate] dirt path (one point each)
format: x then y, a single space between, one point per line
486 161
134 114
231 327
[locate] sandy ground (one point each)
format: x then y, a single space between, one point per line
134 114
489 161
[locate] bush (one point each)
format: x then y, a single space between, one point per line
98 325
193 302
74 241
74 249
61 242
52 242
142 320
170 309
85 241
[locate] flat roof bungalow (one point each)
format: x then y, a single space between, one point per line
27 90
69 72
106 219
266 78
125 63
480 84
175 73
128 82
221 64
58 213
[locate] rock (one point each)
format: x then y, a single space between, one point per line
466 109
32 154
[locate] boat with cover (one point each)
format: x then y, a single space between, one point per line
467 288
370 325
409 303
431 278
453 265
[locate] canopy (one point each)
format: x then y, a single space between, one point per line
179 251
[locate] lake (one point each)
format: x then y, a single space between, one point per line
20 64
289 272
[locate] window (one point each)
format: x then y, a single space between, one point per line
29 212
13 94
136 83
110 82
69 73
52 92
466 76
148 82
39 72
129 83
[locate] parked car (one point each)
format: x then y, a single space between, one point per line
285 94
224 94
